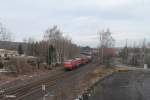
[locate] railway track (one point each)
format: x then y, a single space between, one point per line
34 87
21 91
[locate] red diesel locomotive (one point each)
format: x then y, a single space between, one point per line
74 63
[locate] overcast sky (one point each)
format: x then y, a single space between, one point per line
79 19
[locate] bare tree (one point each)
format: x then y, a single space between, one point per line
62 44
54 48
137 54
105 46
5 35
30 47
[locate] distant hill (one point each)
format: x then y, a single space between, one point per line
10 45
85 48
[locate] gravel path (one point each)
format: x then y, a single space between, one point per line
131 85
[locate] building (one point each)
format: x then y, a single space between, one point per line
8 53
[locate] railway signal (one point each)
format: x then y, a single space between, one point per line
43 87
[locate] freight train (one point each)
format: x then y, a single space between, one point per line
75 63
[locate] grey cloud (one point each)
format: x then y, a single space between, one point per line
76 17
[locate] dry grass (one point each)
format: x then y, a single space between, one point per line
90 79
6 78
122 69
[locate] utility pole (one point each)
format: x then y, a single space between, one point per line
102 54
144 47
44 91
144 54
126 51
101 47
134 53
48 58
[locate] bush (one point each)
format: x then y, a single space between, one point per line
1 65
107 62
21 65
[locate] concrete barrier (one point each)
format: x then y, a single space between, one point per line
145 66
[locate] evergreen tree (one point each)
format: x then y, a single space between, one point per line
51 57
20 49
